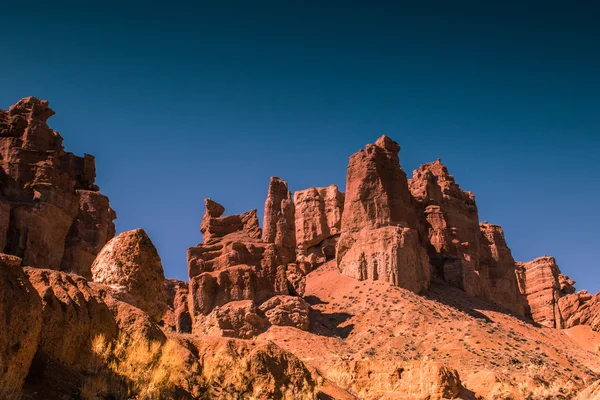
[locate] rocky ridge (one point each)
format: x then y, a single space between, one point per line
384 292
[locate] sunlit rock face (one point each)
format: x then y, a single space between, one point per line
379 237
51 213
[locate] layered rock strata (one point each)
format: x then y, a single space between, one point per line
51 213
379 238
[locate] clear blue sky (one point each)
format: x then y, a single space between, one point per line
182 101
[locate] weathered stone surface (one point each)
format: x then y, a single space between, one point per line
73 314
541 288
20 323
177 317
239 319
41 185
235 265
379 238
392 254
130 264
498 270
318 221
279 222
214 226
286 311
581 308
451 226
90 231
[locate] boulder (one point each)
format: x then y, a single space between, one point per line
238 319
287 311
131 266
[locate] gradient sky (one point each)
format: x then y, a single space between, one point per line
183 101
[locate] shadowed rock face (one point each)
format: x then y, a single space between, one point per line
21 322
51 213
379 238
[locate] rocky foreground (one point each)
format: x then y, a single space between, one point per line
392 290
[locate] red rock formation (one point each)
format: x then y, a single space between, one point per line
130 264
20 322
72 316
318 221
238 319
236 265
279 223
286 311
551 297
379 238
48 199
464 253
541 288
498 270
450 219
177 317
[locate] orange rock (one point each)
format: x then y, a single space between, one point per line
279 220
130 264
51 213
379 238
21 316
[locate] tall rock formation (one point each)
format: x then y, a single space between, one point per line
471 256
51 213
498 270
379 239
235 264
551 298
318 221
451 223
279 223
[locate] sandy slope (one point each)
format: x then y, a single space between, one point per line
378 341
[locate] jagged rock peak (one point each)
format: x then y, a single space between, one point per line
386 143
213 209
279 222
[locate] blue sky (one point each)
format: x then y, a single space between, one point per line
184 100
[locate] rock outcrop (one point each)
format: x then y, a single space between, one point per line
20 322
131 266
471 256
551 298
286 311
234 264
177 317
51 213
379 238
237 319
451 226
73 314
279 222
318 223
498 270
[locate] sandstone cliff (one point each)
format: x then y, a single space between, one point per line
51 213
